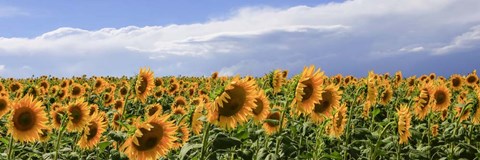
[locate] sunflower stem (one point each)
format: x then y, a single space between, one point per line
204 140
59 136
10 148
347 130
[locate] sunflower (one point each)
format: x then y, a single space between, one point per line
272 125
372 92
64 83
44 84
214 75
116 117
308 90
2 88
92 132
456 82
398 77
4 105
152 139
77 90
124 91
78 115
234 105
330 99
472 79
153 109
57 116
108 99
366 109
278 81
62 93
119 104
45 134
178 110
158 93
386 95
180 101
339 120
145 83
442 98
464 116
174 87
93 110
404 119
15 86
158 82
196 123
434 130
99 85
182 134
262 107
476 116
27 120
424 101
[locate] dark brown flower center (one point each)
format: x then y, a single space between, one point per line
456 82
308 89
3 104
93 129
440 97
24 119
75 114
235 104
143 85
259 107
149 139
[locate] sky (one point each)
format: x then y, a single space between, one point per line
248 37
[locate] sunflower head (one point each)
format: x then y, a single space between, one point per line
339 120
272 123
57 115
153 139
424 101
278 80
153 109
4 105
77 90
196 123
78 115
145 83
309 90
472 79
456 82
27 120
92 132
442 98
404 119
182 136
234 104
330 99
262 107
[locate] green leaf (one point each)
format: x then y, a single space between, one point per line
187 147
4 141
103 145
222 141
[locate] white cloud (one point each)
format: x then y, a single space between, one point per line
465 42
347 37
2 68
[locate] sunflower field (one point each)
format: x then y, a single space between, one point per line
306 116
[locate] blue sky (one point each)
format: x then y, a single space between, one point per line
238 37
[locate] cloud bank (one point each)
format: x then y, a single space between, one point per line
352 37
